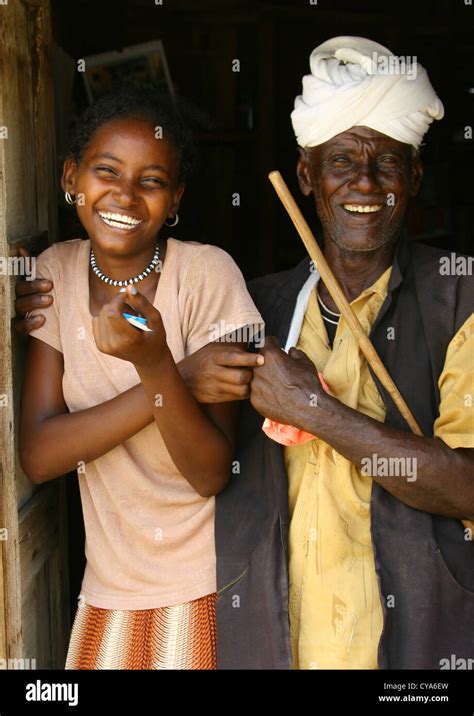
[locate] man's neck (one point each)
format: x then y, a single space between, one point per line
356 270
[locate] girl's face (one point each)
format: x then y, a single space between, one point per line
125 186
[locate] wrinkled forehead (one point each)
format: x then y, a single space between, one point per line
362 138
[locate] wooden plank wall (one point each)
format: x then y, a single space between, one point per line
34 614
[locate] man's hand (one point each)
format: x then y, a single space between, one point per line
286 388
219 372
30 295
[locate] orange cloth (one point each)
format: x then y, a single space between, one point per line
182 636
287 434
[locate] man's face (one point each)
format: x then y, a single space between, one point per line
362 181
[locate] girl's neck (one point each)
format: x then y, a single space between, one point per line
101 293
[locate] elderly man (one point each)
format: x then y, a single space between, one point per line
367 515
352 549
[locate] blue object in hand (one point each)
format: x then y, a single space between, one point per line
140 319
137 321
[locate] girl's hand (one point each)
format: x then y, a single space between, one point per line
116 337
219 372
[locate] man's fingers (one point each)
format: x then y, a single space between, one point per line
297 353
24 326
29 303
271 342
27 288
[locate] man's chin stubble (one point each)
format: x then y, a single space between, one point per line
387 237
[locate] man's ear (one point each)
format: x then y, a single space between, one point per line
302 172
416 175
68 178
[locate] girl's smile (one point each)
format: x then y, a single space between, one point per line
123 222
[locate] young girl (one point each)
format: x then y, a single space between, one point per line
106 398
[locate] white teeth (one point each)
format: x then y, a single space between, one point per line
362 209
119 221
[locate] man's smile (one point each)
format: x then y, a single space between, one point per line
363 208
358 213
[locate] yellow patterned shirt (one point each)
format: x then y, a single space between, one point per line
335 608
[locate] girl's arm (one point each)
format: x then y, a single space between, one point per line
52 441
199 442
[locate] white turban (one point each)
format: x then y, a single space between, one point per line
349 87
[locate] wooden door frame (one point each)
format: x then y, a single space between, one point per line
34 597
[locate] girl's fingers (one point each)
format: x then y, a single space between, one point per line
141 304
238 358
111 318
234 376
229 392
116 305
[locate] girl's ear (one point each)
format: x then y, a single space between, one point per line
177 198
302 172
68 178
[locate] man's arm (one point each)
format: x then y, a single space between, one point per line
286 389
424 473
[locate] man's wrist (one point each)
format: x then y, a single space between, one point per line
318 413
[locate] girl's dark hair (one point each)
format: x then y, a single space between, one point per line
176 116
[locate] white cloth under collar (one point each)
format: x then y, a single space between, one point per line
300 309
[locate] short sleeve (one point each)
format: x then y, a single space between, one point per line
215 301
47 266
455 423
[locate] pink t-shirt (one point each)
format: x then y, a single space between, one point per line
149 535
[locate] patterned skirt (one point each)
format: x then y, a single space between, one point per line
182 636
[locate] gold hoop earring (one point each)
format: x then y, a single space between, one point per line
69 198
176 219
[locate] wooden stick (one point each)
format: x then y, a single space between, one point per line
330 281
